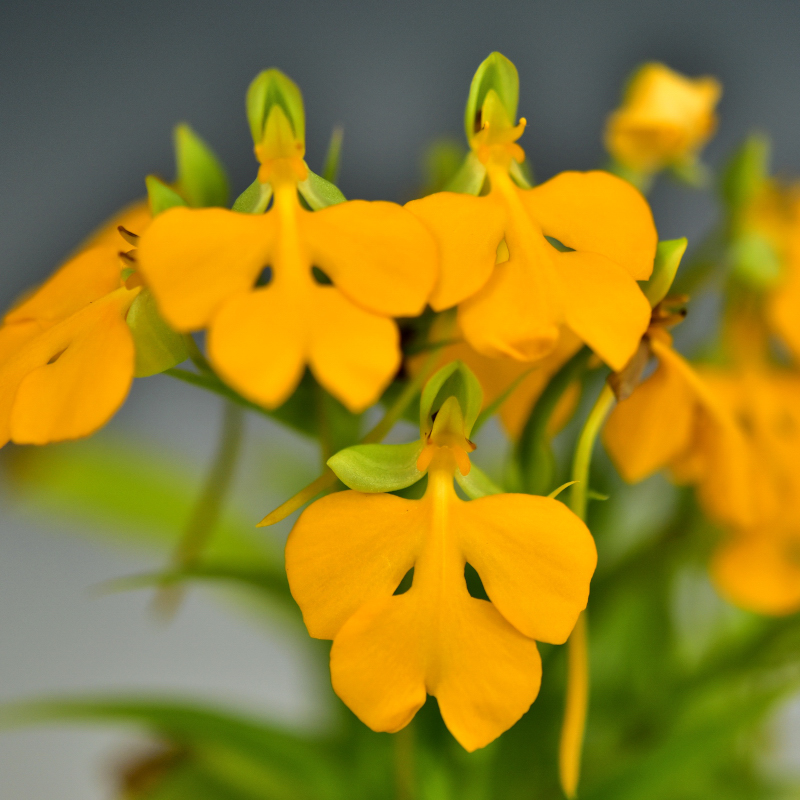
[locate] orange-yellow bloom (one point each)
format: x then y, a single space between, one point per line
349 552
664 120
250 279
675 419
514 289
66 353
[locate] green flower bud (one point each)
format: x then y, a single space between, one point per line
496 74
452 380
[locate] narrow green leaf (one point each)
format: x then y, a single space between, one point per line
158 347
160 196
201 177
333 158
745 173
378 467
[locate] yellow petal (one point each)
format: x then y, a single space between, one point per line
134 218
783 307
377 253
483 672
258 342
353 353
535 559
82 280
468 230
347 550
652 427
518 312
759 570
69 380
14 337
194 259
603 305
598 213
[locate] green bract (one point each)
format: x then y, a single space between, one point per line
318 192
754 260
254 199
201 177
476 483
160 196
453 380
271 87
495 73
158 347
668 258
378 467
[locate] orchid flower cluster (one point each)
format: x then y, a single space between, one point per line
549 305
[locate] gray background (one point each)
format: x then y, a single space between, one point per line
89 92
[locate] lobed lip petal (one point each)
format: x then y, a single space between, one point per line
259 343
469 230
350 549
353 353
598 213
377 253
535 558
68 380
195 259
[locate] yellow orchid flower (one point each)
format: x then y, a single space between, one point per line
514 289
66 353
349 552
290 288
675 419
664 120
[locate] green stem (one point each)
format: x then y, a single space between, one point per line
206 512
404 763
584 449
577 700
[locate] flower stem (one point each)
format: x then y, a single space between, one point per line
328 478
577 702
207 509
404 763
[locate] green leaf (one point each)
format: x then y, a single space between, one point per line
333 158
754 260
476 483
668 258
158 347
457 380
378 467
254 199
269 88
161 196
201 177
256 760
495 73
745 173
319 193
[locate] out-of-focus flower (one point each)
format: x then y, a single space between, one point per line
66 352
522 264
293 287
349 552
664 121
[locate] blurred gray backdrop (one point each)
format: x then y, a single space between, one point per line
89 93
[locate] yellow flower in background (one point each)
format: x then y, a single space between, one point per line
516 290
674 419
759 568
349 552
66 352
665 119
290 288
783 304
